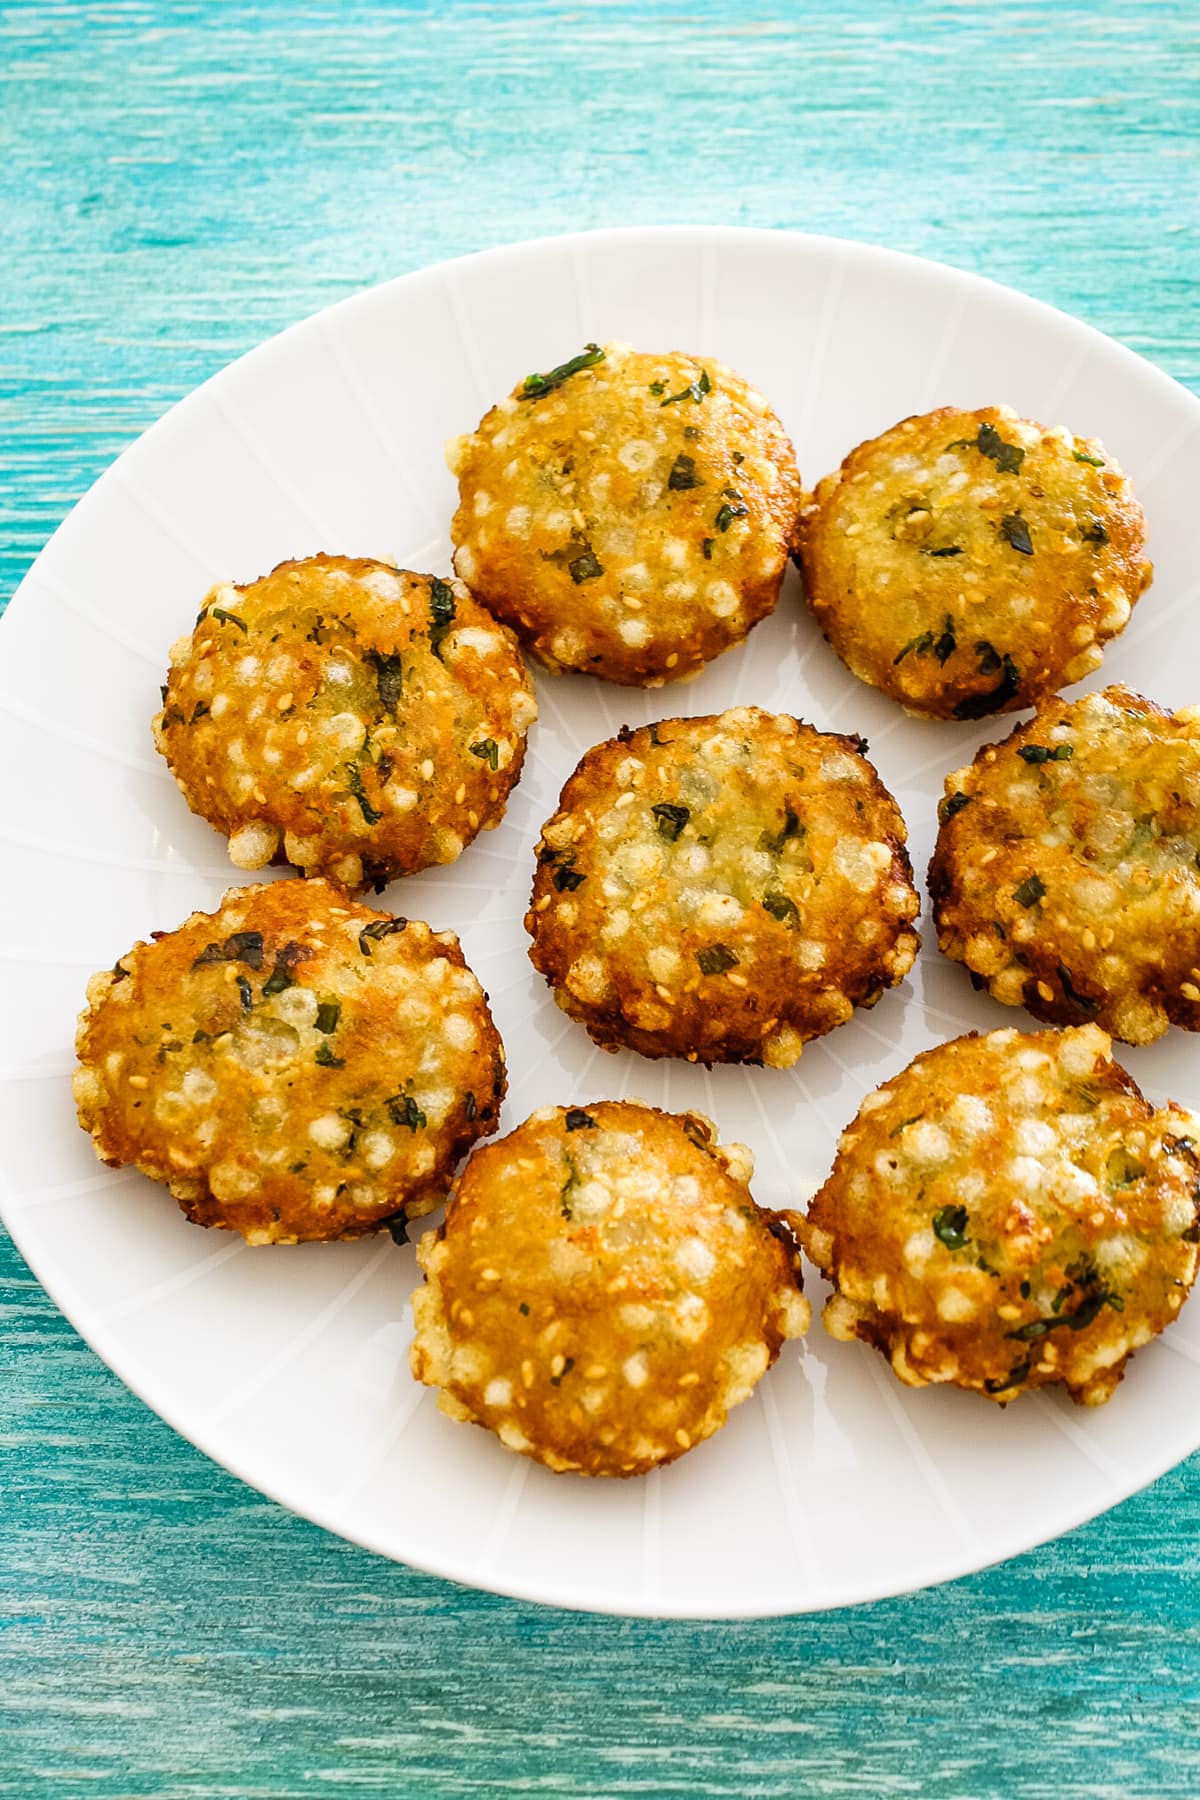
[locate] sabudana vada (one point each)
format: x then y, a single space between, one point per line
353 719
629 515
292 1066
722 889
1067 869
604 1289
968 563
1009 1212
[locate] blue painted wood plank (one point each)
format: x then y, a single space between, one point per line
177 182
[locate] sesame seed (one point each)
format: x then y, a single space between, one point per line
682 1439
527 1373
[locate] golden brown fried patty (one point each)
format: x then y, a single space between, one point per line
604 1288
970 562
293 1065
1067 868
628 515
1008 1212
722 888
345 716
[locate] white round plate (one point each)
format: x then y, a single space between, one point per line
834 1483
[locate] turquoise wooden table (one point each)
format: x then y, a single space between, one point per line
178 182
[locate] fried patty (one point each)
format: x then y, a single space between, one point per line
604 1288
722 889
1008 1212
292 1066
353 719
1067 869
629 515
968 563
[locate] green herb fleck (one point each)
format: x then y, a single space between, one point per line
915 646
324 1055
716 959
567 878
1088 1309
658 388
733 508
1031 890
1016 1375
904 1124
781 908
388 677
354 782
578 1120
1094 462
397 1225
948 550
1016 532
403 1110
670 820
488 751
792 828
952 805
328 1013
946 645
1094 532
695 390
706 545
585 568
227 618
523 1308
377 930
1122 1170
1007 457
244 946
1084 1002
534 386
683 474
977 706
199 711
245 993
1044 753
469 1107
950 1225
441 613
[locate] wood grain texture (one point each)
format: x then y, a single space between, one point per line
179 181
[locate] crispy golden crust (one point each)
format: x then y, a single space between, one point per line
351 718
1066 874
970 562
292 1066
1010 1212
722 889
633 520
604 1288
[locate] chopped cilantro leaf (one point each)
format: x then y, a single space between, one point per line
378 929
1044 753
780 907
534 386
1016 532
950 1225
324 1055
403 1110
670 819
488 751
695 390
683 474
585 567
578 1120
716 959
328 1013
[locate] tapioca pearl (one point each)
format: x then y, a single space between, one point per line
634 632
694 1259
615 927
1034 1137
925 1144
465 563
860 864
232 1181
689 1318
1080 1049
447 846
738 1160
637 455
295 1005
919 1248
460 1032
955 1307
568 646
810 954
720 911
180 652
377 1149
482 503
586 979
344 731
636 1369
1027 1173
202 680
253 846
663 962
721 598
628 771
757 864
1026 1093
675 553
970 1116
839 767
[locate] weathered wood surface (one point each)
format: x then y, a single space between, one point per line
177 182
